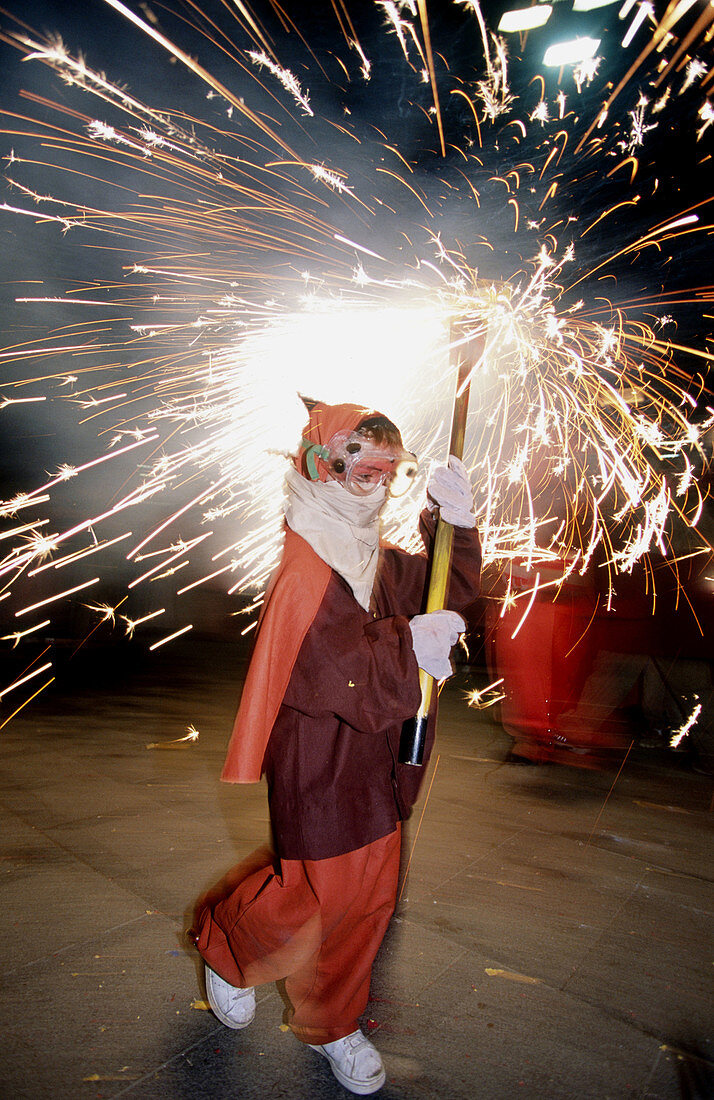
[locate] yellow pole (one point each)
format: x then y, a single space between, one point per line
413 739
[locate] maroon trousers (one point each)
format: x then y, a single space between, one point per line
318 924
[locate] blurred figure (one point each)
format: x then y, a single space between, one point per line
583 682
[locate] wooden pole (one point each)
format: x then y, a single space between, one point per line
465 355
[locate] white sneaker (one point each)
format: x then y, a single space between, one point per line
233 1006
355 1063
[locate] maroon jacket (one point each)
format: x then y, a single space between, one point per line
334 783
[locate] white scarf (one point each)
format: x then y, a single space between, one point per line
341 528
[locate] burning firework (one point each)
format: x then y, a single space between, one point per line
353 182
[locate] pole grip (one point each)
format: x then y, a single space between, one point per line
413 736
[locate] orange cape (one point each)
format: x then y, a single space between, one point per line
291 603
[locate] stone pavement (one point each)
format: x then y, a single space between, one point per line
553 938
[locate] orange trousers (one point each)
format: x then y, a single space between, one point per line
317 924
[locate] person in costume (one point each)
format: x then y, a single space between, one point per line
333 676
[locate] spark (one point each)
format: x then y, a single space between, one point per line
58 596
27 702
679 735
585 71
695 69
331 179
94 402
540 112
230 568
706 114
66 223
171 637
17 635
65 472
15 354
197 69
645 10
494 91
25 679
288 80
531 601
14 531
192 735
252 272
78 555
40 546
131 624
401 27
639 127
105 611
482 698
359 247
5 402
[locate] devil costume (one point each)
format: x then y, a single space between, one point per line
331 762
332 678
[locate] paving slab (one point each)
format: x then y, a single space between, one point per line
552 939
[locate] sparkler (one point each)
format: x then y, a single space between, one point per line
278 243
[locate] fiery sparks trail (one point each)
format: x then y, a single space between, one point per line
354 183
486 696
192 735
679 734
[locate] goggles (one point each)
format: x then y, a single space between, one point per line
362 465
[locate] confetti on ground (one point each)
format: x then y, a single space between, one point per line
111 1077
511 976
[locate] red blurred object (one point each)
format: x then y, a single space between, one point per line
575 674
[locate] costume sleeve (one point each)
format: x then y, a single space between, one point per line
407 574
465 574
364 671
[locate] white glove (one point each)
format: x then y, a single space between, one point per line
433 635
449 487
